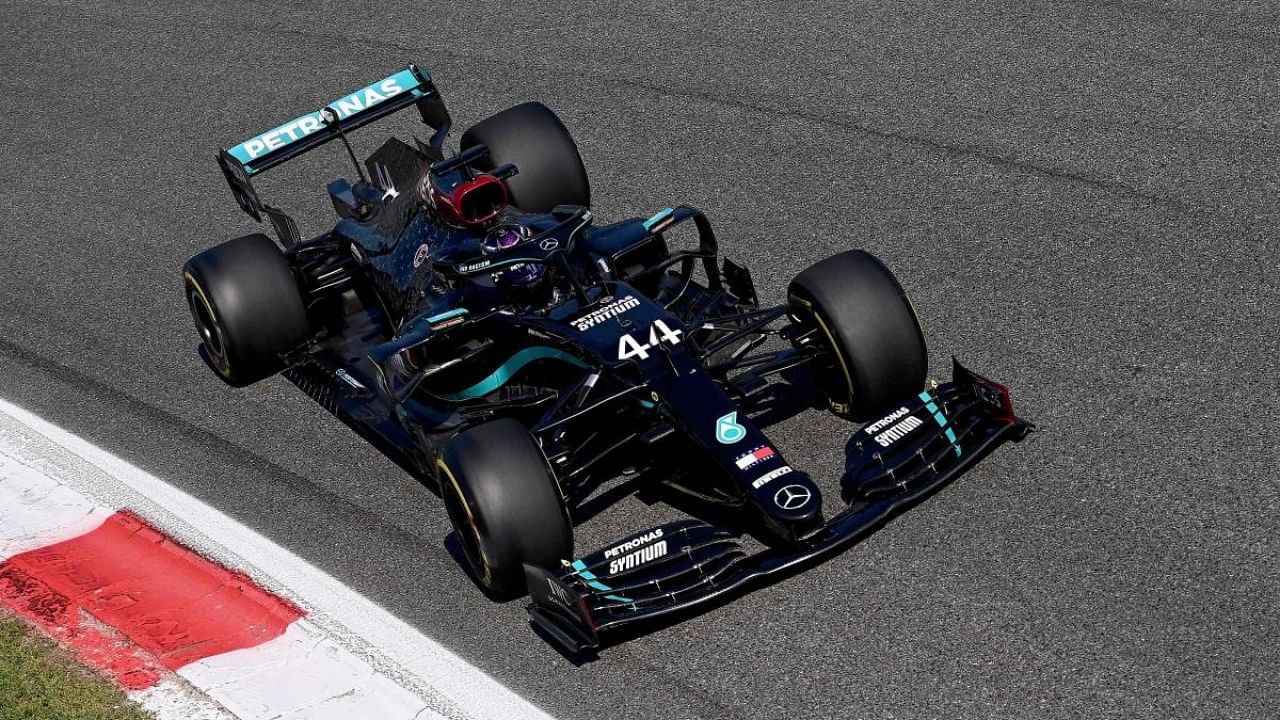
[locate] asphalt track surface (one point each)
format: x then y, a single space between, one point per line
1081 197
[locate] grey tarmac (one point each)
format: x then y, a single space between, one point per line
1081 197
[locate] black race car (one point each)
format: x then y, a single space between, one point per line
469 317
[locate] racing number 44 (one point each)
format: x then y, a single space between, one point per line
659 332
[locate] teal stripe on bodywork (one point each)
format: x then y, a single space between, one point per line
446 315
941 419
508 369
581 569
659 217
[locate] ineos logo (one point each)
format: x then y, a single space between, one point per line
792 497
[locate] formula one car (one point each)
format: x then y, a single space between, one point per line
468 317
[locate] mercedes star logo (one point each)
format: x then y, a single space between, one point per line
792 497
549 244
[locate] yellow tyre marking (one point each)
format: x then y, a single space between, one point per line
471 518
919 325
224 361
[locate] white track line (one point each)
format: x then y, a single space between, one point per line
36 511
452 687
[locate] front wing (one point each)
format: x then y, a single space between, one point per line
912 452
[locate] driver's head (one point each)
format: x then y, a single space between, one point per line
507 235
503 236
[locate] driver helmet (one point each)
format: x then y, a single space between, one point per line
506 235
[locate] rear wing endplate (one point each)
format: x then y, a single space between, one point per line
411 86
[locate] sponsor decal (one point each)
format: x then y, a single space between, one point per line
420 256
761 453
899 431
639 557
346 377
885 421
612 308
770 476
474 266
633 543
560 596
345 107
792 497
728 431
659 332
549 244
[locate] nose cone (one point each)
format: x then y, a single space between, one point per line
790 497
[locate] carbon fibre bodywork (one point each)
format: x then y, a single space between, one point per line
634 346
681 565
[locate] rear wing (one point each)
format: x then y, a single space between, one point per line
411 86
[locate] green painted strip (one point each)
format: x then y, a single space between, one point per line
581 568
446 315
941 419
659 217
508 369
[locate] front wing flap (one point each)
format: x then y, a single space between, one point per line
920 446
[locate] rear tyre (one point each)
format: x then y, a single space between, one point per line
532 137
504 504
863 317
246 307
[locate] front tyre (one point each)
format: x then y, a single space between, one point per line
504 504
246 306
876 351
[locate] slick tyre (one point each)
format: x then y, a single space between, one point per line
246 306
876 350
532 137
504 504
